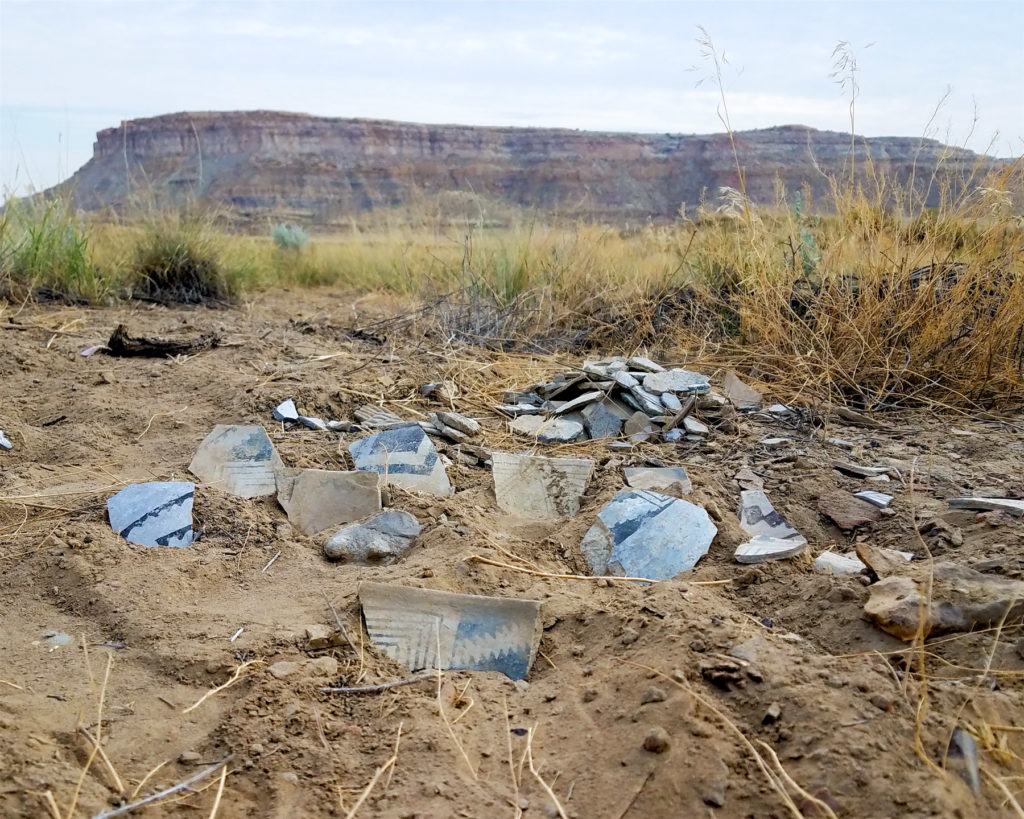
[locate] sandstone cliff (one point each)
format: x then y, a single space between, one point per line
264 164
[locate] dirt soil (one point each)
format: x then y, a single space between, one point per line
154 629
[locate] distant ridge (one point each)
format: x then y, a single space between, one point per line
264 165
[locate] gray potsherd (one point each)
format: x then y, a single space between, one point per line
405 456
1011 506
423 628
381 539
317 499
286 411
153 514
539 487
879 499
4 442
772 537
645 534
241 460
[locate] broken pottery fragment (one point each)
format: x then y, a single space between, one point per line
830 562
405 457
961 599
847 511
879 499
241 459
153 514
645 534
422 628
286 411
372 417
381 539
1011 506
5 442
772 537
676 381
858 471
742 396
658 478
537 487
317 499
962 758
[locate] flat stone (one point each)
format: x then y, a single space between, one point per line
319 636
382 539
462 423
241 460
676 381
325 666
537 487
580 402
282 669
772 537
5 442
153 514
625 380
694 427
879 499
670 402
423 628
740 394
830 562
515 410
1009 505
658 478
846 511
437 427
405 456
317 499
286 411
638 427
638 362
645 534
674 435
528 425
313 423
647 401
775 443
600 421
560 431
711 402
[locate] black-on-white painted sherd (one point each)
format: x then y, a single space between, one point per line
153 514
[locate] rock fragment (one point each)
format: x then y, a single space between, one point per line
830 562
604 419
962 758
463 423
677 380
741 395
241 460
158 513
382 539
422 628
657 741
537 487
638 427
1011 506
847 511
645 534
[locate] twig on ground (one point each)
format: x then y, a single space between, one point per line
12 685
146 779
51 804
220 792
364 689
337 621
440 706
96 744
181 786
1006 792
234 678
636 794
271 563
609 577
376 776
118 784
538 777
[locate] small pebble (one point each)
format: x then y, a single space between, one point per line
629 635
772 714
653 694
657 741
282 669
189 757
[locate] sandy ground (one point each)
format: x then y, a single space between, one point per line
151 629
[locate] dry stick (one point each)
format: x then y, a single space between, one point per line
536 773
337 620
12 685
106 760
146 778
51 803
96 746
793 783
1006 792
511 761
220 791
440 705
234 678
635 796
376 776
1010 728
610 577
181 786
362 689
271 563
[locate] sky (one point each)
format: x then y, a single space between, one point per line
949 70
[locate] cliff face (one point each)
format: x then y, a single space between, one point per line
275 165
